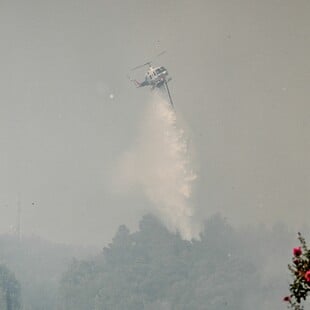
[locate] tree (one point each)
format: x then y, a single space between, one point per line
10 295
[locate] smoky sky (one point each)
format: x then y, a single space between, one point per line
240 75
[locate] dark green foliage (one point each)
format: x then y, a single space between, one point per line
154 269
300 269
9 290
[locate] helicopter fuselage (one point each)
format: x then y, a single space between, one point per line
155 77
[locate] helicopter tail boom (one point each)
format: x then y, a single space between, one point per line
137 83
140 84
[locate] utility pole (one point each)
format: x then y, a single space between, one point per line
18 220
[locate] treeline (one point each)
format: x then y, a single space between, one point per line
37 266
150 269
155 269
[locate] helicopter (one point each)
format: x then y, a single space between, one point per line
155 77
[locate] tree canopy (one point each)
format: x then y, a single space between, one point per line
155 269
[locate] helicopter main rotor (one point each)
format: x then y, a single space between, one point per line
141 66
149 63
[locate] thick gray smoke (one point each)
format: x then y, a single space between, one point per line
159 164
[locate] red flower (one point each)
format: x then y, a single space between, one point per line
297 251
307 276
287 298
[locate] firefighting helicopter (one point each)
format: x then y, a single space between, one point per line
155 77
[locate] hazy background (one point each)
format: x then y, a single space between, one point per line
241 75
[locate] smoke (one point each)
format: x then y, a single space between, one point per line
159 164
